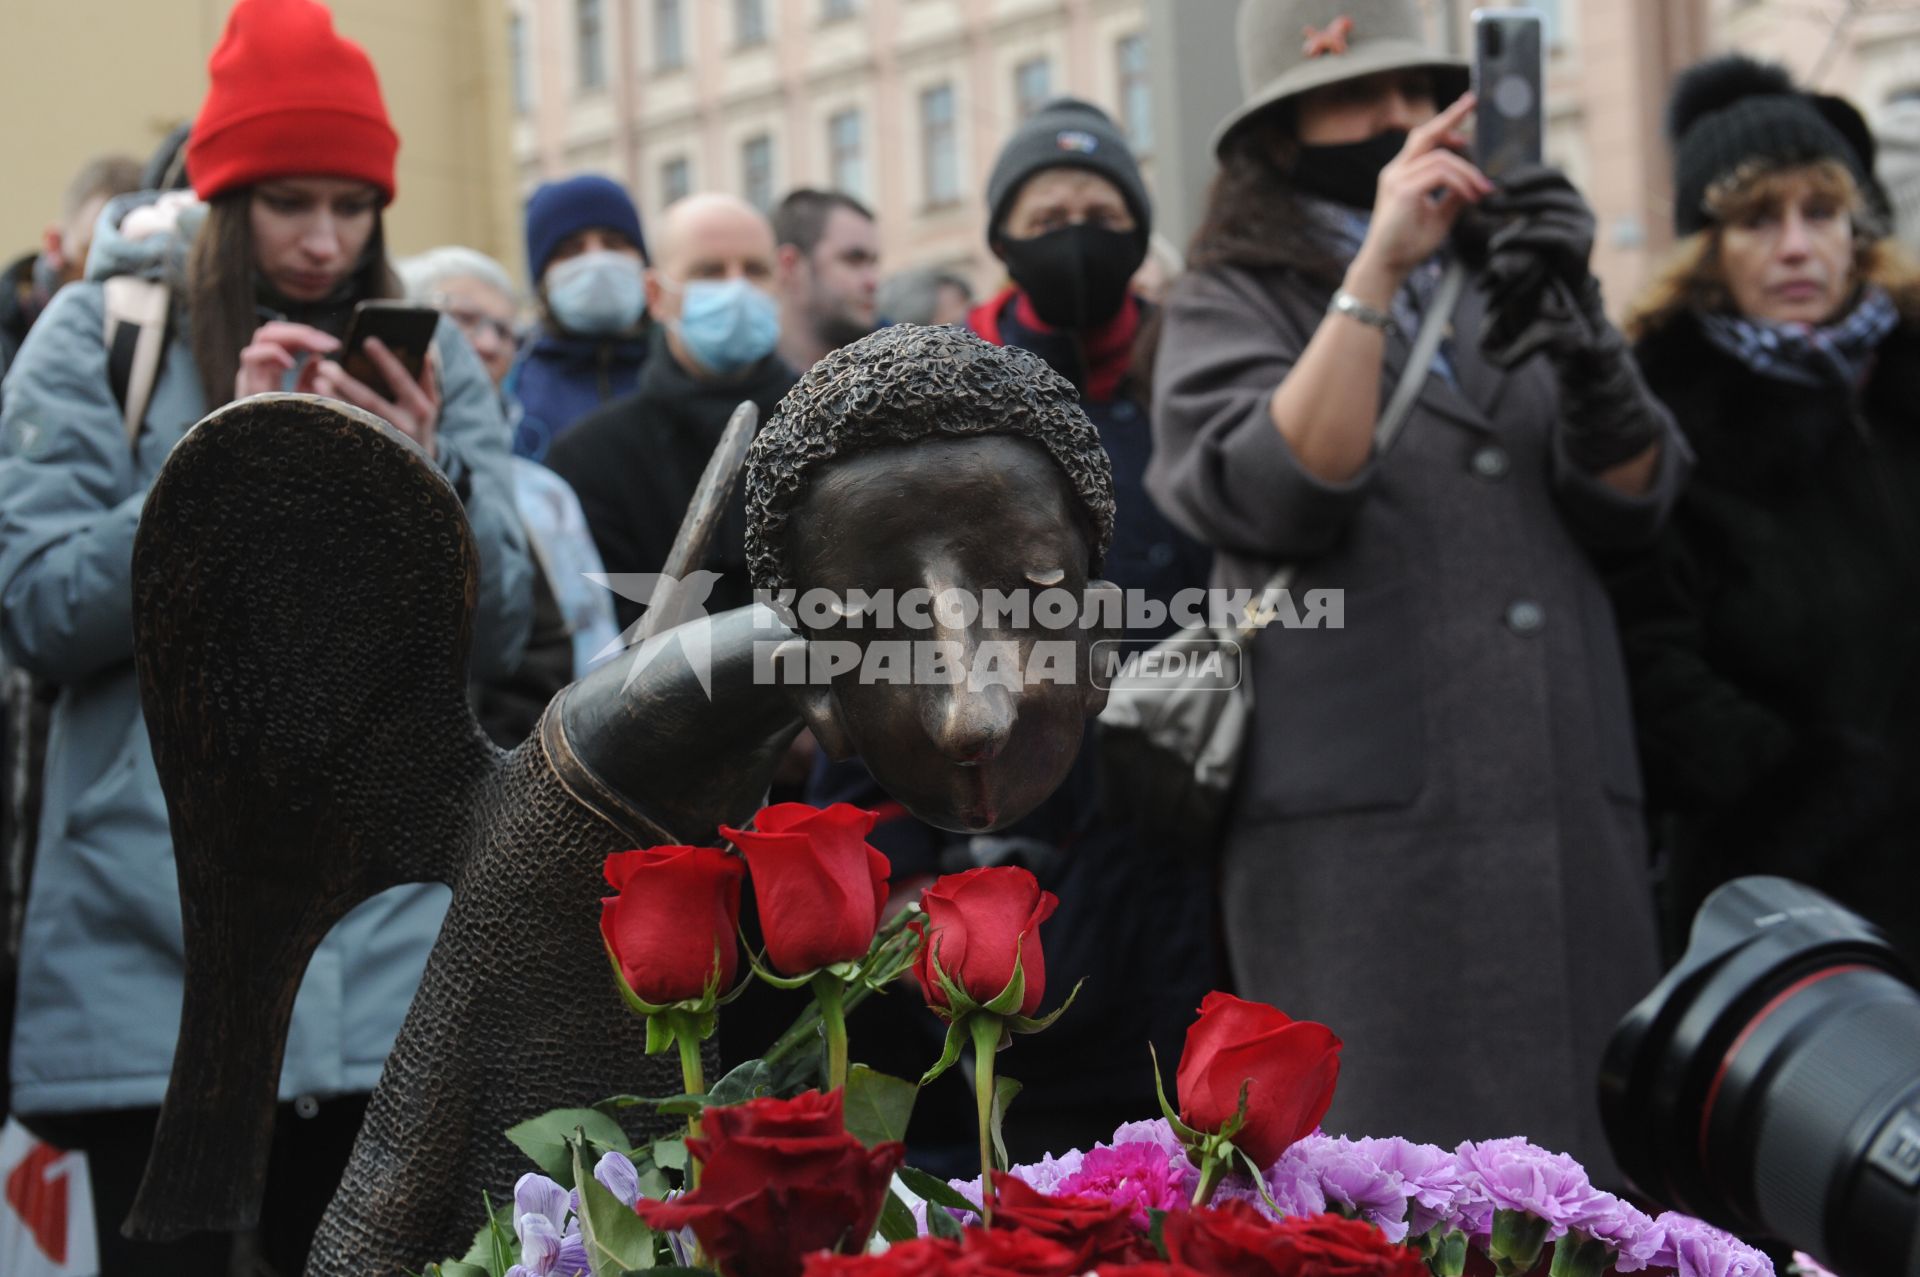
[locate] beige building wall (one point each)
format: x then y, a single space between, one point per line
86 77
878 60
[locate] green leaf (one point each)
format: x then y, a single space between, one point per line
503 1245
670 1154
544 1138
941 1224
1259 1180
878 1105
896 1220
665 1105
1008 1000
1156 1231
1239 1118
458 1268
1188 1136
617 1240
659 1035
957 1039
1025 1024
1004 1089
748 1081
935 1191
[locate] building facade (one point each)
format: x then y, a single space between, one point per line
901 103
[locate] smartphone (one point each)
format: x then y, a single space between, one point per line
1509 83
405 330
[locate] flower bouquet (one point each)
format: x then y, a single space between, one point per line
794 1165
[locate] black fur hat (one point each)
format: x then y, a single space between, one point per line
1731 111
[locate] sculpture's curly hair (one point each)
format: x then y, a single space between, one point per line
910 382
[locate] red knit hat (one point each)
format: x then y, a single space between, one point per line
289 98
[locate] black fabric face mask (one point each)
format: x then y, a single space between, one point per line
1347 173
1076 277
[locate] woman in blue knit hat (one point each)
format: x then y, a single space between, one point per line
586 256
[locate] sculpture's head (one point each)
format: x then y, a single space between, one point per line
939 507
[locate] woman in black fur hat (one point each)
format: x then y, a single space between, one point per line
1773 638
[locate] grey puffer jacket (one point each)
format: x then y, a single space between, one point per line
101 973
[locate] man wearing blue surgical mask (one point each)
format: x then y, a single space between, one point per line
588 261
715 328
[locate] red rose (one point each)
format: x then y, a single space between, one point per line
1149 1268
922 1257
675 921
819 886
1291 1065
1095 1229
779 1179
1238 1241
999 1253
981 925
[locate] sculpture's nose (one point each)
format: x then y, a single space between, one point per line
970 726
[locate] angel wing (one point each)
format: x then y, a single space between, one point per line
301 637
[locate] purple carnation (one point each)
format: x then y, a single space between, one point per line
1154 1132
1518 1176
1429 1177
1695 1248
1141 1176
1294 1180
1354 1182
1631 1233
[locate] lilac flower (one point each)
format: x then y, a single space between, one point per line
1429 1177
1351 1180
1294 1180
1695 1248
1142 1176
550 1244
535 1194
1155 1132
617 1175
1518 1176
1630 1233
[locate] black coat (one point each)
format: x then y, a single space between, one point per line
636 462
1773 635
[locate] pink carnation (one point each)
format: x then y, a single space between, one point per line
1140 1176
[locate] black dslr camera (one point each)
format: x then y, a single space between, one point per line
1771 1082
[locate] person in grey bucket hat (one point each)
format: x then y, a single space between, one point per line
1436 847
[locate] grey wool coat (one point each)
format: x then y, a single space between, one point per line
1437 847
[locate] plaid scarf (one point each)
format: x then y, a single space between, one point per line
1828 355
1348 229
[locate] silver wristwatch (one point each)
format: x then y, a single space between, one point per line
1345 303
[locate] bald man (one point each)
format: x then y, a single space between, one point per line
636 462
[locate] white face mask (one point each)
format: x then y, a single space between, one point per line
597 294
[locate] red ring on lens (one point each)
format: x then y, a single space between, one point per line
1778 1000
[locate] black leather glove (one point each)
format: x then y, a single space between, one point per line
1543 299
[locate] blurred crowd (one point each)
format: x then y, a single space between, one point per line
1629 611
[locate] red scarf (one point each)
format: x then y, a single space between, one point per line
1107 350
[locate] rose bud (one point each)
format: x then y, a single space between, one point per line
673 927
981 926
820 888
1288 1067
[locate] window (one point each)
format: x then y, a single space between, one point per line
749 23
676 180
834 10
845 164
669 46
756 172
590 45
517 63
939 146
1136 93
1032 86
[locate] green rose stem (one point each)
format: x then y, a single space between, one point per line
830 993
1213 1169
986 1040
694 1078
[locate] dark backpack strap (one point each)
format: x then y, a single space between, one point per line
126 339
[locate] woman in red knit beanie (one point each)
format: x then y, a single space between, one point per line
293 156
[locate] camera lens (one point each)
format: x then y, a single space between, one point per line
1771 1082
1493 39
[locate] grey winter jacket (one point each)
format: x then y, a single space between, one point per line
1437 848
101 973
